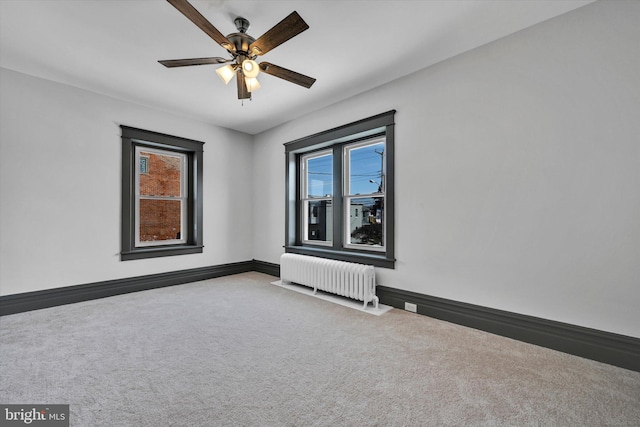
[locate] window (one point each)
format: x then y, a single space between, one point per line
161 195
340 193
317 194
144 164
364 179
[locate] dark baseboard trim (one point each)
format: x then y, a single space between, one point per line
17 303
606 347
266 268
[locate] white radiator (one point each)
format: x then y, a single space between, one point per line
356 281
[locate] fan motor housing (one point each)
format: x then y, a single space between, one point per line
241 41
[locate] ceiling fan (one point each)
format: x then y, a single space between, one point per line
244 50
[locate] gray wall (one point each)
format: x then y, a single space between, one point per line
517 172
60 187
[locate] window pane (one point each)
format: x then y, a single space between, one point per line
163 175
319 220
320 176
366 221
365 169
160 220
144 164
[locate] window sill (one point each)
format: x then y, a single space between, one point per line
377 260
156 252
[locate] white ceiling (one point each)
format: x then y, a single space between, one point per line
112 47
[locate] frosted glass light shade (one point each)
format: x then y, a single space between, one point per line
226 73
250 68
252 84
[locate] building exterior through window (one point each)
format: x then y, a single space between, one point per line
160 197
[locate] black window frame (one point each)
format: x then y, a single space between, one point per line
336 139
132 138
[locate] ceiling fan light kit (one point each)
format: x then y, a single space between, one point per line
244 50
252 84
226 73
250 68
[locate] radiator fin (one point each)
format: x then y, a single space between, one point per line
355 281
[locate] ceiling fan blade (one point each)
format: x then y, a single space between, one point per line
243 91
201 22
284 30
283 73
170 63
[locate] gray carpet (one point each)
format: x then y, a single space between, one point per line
237 351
